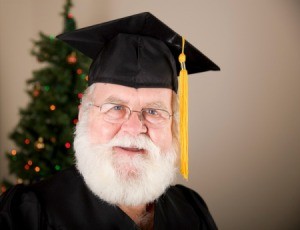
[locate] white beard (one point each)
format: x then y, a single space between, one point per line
123 179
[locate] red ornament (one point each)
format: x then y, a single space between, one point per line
27 141
79 95
68 145
70 15
26 167
79 71
75 121
72 59
36 92
3 188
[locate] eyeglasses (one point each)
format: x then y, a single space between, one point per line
115 113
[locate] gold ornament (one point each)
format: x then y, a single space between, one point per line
36 89
39 144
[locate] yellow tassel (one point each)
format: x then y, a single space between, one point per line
183 113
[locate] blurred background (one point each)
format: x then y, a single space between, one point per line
244 120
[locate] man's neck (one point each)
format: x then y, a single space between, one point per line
142 215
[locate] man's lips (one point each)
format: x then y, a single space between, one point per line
128 150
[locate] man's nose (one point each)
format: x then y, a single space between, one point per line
134 125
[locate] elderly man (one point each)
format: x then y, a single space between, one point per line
126 140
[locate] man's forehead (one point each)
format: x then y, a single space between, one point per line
124 94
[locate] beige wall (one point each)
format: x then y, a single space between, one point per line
244 120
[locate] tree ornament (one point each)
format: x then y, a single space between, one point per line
37 169
37 85
47 88
26 167
27 141
52 38
36 89
52 107
36 93
3 189
68 145
79 71
72 59
57 167
79 95
53 139
39 144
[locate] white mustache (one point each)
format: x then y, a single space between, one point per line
139 142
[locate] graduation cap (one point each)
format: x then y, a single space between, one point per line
141 51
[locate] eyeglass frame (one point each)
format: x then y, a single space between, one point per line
141 116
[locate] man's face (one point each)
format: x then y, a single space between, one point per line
102 131
130 162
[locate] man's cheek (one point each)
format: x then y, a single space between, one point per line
101 133
161 139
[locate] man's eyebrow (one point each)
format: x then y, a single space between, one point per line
116 100
156 105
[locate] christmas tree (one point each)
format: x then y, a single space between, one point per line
44 134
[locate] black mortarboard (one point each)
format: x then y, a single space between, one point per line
138 51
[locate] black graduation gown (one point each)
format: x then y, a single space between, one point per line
65 202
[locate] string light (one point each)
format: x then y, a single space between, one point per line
75 121
37 169
27 141
3 189
86 77
79 95
72 59
53 139
30 162
13 152
39 144
57 167
52 107
67 145
36 93
19 181
51 37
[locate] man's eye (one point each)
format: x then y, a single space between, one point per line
118 107
152 112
